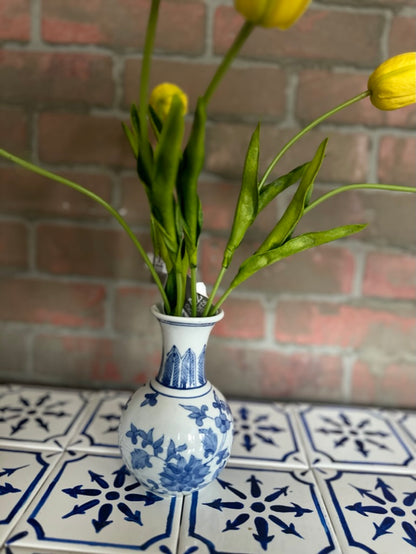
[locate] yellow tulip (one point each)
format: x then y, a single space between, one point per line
271 13
161 99
393 84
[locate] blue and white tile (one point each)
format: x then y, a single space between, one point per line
264 434
406 423
98 430
39 417
251 510
371 512
354 437
22 472
91 503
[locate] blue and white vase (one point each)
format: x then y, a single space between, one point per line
176 431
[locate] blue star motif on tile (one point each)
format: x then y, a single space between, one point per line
259 508
38 410
251 428
109 418
106 497
6 487
361 434
388 508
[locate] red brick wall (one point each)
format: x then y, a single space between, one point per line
333 324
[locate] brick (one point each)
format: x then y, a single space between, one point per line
134 205
318 35
396 164
390 275
13 245
13 353
233 369
319 91
15 20
391 384
122 24
92 361
78 250
29 194
402 37
246 91
346 160
390 216
81 138
346 325
244 319
39 78
14 131
270 374
52 302
132 313
219 200
325 270
301 376
81 360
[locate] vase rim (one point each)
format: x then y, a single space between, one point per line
157 311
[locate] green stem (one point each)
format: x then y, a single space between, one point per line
239 40
193 292
214 291
99 200
222 299
146 62
307 129
180 293
357 186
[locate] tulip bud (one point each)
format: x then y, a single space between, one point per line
161 99
393 84
272 13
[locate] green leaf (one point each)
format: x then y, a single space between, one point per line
134 119
248 201
271 190
295 209
155 121
166 162
293 246
161 245
187 183
132 138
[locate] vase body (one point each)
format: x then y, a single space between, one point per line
175 433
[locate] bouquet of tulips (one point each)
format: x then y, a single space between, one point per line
169 172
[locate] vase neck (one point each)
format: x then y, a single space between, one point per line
183 356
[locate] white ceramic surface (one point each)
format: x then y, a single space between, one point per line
175 433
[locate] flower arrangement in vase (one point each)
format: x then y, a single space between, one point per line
160 453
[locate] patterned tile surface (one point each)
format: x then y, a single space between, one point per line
407 425
98 430
262 509
32 417
264 434
349 436
372 512
21 474
302 478
92 504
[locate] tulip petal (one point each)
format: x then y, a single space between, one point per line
284 14
272 13
393 83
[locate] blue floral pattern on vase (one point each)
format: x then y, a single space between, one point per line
179 470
